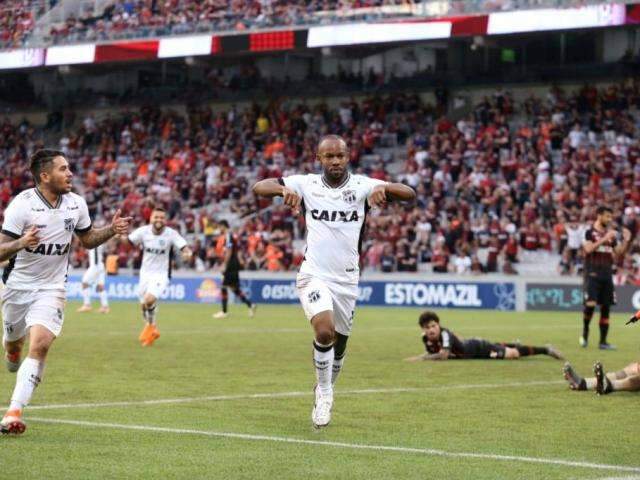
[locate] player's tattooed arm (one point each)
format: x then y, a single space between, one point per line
97 236
391 192
9 246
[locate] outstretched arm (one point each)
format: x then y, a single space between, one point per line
391 192
271 187
441 355
97 236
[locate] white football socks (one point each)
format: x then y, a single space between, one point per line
28 378
104 299
86 296
323 361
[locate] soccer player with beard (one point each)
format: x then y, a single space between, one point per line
601 249
38 227
442 344
334 204
158 245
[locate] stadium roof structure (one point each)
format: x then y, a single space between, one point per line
359 33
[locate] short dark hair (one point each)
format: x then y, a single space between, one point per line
427 317
41 160
159 209
224 223
603 208
334 137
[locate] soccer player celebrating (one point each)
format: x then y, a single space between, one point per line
38 227
601 248
231 273
94 276
441 344
158 243
334 204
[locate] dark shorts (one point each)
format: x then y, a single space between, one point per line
479 348
599 289
231 278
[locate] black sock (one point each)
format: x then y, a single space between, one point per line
587 315
241 296
604 330
604 322
225 299
526 350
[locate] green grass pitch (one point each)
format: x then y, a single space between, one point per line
246 391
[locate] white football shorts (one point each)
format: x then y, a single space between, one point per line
152 284
94 275
21 309
318 295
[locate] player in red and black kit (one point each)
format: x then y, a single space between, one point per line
231 267
601 248
442 344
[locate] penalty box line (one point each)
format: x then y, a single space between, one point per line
254 396
352 446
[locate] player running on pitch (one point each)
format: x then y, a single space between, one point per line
231 273
601 248
95 275
38 227
335 204
442 344
158 244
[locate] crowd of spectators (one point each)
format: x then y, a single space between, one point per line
512 183
17 19
144 18
153 18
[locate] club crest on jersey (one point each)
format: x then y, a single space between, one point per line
349 196
68 224
314 296
161 242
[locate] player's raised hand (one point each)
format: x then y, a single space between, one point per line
378 196
291 199
120 224
626 235
30 238
186 254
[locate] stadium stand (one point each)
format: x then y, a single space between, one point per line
498 190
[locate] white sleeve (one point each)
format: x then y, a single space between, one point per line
84 221
294 182
135 237
14 219
372 183
178 241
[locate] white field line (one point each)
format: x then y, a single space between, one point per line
352 446
253 396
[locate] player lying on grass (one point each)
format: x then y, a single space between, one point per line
442 344
625 380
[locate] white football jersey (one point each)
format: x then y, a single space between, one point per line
96 256
157 249
44 267
335 219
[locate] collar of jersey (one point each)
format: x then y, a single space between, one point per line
346 180
46 202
